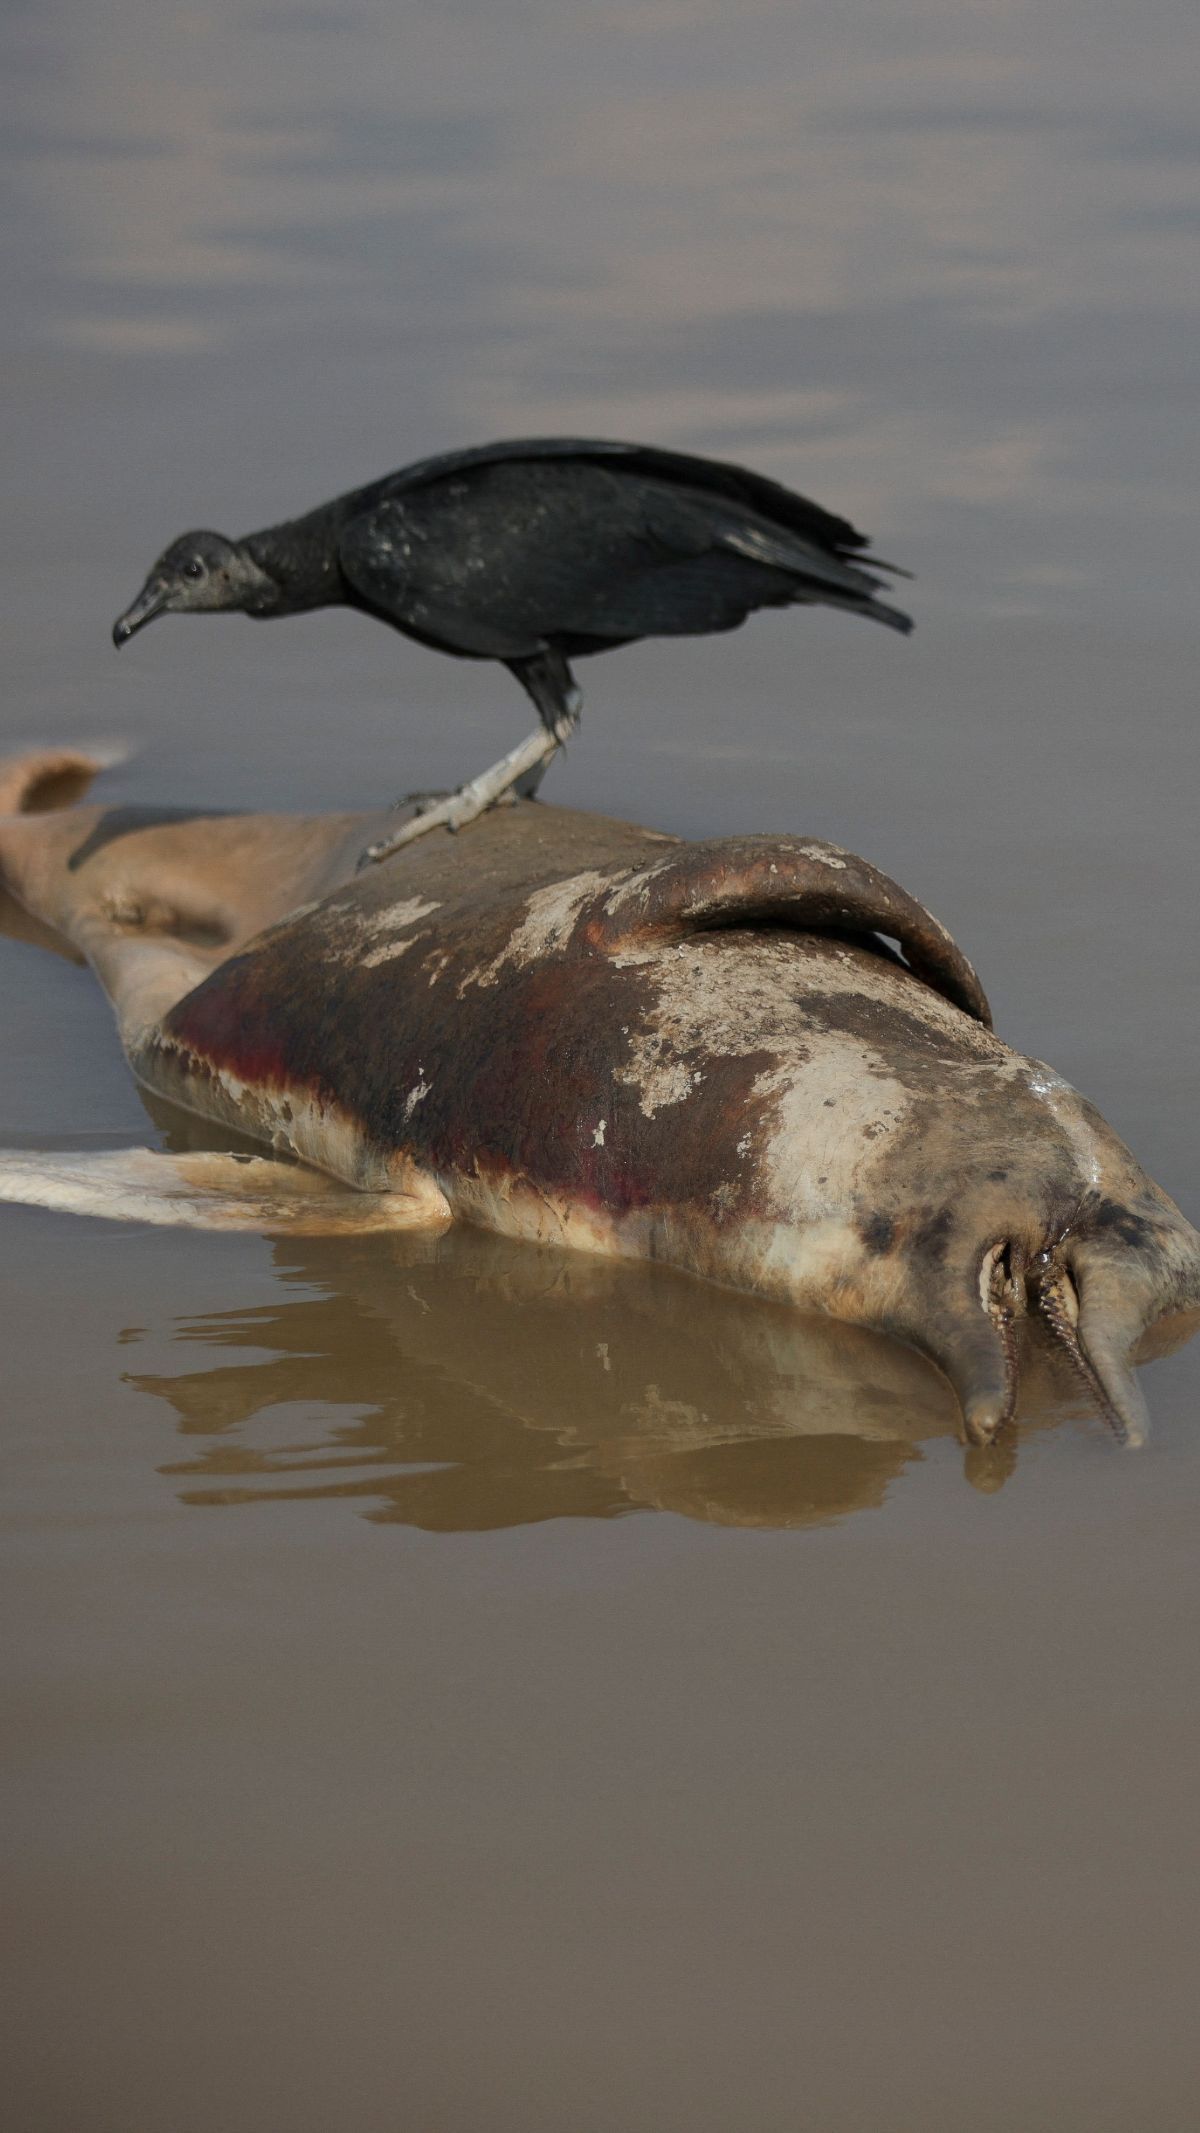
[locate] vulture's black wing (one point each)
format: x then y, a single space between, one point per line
498 557
716 477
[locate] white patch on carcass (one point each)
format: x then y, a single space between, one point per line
387 954
417 1093
659 1081
396 917
551 915
710 1004
383 927
598 1135
826 855
833 1118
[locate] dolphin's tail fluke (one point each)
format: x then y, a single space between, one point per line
42 780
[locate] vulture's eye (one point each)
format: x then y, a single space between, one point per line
193 568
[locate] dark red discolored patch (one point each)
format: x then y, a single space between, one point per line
521 1076
233 1020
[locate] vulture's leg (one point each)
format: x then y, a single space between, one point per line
548 680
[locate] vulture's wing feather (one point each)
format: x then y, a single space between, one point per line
716 477
499 559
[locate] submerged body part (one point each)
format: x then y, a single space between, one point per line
757 1059
533 553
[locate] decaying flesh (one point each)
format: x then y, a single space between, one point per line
755 1058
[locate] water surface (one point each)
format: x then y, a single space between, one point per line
468 1687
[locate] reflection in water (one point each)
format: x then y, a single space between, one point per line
467 1383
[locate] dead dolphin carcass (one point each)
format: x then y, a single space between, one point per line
755 1058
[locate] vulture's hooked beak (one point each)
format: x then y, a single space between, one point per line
150 602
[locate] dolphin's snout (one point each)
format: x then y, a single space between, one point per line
1094 1298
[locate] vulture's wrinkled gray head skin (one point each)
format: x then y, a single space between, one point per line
200 573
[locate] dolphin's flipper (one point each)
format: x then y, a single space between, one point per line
201 1191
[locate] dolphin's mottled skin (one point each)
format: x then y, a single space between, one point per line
755 1058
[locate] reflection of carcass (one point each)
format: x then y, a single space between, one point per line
464 1382
757 1059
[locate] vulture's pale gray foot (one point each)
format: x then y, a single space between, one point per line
517 775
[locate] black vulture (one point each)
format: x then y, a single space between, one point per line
534 553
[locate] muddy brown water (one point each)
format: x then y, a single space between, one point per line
456 1686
